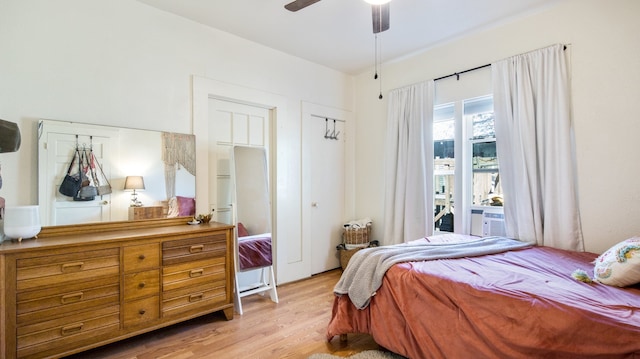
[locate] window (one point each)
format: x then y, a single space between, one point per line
472 177
444 165
485 182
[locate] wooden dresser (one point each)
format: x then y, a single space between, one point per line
82 286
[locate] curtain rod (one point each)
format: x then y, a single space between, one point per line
457 74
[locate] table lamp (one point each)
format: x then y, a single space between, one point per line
133 183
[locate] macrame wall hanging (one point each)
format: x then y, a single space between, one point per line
178 150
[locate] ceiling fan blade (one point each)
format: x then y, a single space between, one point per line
380 15
299 4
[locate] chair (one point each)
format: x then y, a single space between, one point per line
259 277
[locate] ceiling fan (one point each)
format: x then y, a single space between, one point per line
379 12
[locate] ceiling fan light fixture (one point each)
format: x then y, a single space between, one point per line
377 2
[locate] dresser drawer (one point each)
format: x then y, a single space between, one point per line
141 257
141 284
191 249
198 273
64 332
45 304
141 311
67 268
194 298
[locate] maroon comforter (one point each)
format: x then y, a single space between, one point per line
254 251
517 304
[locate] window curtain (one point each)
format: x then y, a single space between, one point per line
409 164
534 139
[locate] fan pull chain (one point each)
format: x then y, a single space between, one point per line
379 62
375 56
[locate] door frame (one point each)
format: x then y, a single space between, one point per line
204 89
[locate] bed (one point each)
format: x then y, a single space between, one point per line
254 251
520 303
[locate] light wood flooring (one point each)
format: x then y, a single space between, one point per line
293 328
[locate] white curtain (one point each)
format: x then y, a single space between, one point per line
409 164
534 140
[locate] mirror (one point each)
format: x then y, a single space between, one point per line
164 160
252 218
250 178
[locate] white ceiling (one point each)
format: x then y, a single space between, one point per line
338 33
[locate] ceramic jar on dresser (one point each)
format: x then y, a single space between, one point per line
82 286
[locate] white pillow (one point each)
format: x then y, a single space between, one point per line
619 265
173 208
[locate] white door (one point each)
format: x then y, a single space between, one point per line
231 124
327 191
234 124
56 149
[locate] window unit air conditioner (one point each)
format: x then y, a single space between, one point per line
493 224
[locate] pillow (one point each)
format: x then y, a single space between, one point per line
186 206
620 265
242 231
172 211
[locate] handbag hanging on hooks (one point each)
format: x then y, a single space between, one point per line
72 182
102 188
87 191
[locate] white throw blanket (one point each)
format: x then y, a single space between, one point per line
363 275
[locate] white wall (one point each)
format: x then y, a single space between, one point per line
123 63
605 53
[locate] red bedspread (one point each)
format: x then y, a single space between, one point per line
254 251
518 304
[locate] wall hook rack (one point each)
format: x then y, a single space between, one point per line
328 134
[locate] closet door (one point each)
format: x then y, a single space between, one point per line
234 124
327 202
231 124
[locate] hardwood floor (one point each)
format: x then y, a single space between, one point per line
293 328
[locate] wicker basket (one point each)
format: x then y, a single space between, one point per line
345 256
356 237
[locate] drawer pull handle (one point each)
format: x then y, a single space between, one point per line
141 285
71 329
141 257
195 297
72 266
196 273
142 311
196 249
73 297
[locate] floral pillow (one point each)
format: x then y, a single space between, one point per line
619 265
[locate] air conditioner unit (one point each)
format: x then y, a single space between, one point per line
493 224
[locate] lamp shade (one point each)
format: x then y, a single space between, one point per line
22 222
134 183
